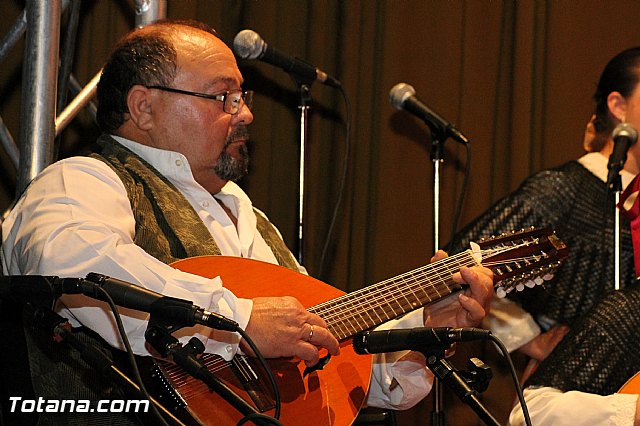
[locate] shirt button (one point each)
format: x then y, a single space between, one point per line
178 163
229 348
205 204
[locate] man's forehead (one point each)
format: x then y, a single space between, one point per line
194 39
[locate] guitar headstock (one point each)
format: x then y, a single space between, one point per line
524 258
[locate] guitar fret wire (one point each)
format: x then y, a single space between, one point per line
375 288
398 287
344 334
332 309
421 269
367 291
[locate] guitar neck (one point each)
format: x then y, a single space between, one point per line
373 305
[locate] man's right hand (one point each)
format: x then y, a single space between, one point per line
282 327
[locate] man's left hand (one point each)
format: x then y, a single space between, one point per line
468 308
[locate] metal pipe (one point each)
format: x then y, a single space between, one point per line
83 98
92 108
39 88
149 11
17 31
67 51
9 144
13 35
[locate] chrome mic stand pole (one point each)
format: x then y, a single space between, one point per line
437 157
615 185
305 97
624 136
616 237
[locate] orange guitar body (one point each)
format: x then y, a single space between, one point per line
331 396
632 385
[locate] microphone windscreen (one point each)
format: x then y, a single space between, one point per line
399 93
359 342
625 130
248 44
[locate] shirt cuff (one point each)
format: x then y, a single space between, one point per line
510 323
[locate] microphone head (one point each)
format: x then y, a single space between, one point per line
249 45
359 343
625 130
399 93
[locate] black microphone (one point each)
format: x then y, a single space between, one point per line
249 45
402 96
624 136
42 290
132 296
415 339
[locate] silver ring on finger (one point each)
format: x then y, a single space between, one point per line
310 333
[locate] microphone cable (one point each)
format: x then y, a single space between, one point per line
343 179
514 377
129 351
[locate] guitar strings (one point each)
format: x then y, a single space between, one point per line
332 309
403 307
377 297
415 273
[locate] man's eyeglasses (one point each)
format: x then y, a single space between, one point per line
231 100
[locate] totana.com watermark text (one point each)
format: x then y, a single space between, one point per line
41 405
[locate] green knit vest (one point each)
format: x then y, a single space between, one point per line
167 227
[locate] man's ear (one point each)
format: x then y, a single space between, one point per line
139 103
617 105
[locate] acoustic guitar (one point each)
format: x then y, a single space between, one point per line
334 394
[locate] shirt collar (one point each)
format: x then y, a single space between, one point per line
597 164
175 167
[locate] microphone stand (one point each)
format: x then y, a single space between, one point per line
616 186
304 89
158 335
446 373
437 157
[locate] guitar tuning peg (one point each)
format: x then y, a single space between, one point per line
547 277
501 293
538 280
520 287
530 284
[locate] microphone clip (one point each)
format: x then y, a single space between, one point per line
466 384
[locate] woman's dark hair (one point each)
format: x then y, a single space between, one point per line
621 74
145 56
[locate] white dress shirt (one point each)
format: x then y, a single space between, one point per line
76 218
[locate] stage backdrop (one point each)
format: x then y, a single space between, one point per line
515 77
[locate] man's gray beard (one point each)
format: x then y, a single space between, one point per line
230 168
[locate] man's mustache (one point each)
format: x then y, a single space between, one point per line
239 133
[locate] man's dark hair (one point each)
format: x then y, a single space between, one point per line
145 56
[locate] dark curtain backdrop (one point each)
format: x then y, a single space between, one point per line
515 77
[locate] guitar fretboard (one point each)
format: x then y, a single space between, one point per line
389 299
